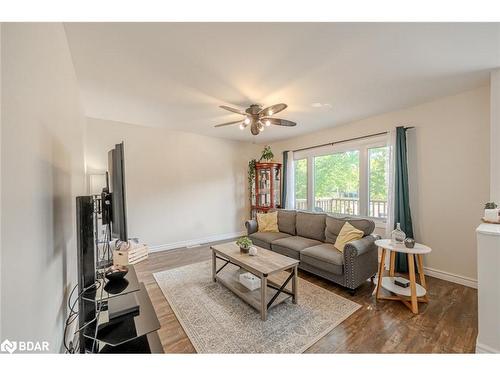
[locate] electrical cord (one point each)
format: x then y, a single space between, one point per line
97 318
69 298
74 314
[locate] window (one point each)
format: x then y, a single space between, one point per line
377 182
336 183
301 184
349 179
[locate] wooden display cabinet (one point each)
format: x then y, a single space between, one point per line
266 190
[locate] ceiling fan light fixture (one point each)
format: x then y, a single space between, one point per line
257 118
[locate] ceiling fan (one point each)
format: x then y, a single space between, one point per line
257 117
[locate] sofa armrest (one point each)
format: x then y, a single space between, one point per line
361 246
251 226
360 260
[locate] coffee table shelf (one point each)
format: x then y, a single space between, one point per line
230 279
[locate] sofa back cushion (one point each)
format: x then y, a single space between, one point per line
335 224
311 225
286 221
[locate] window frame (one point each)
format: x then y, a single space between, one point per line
362 146
295 181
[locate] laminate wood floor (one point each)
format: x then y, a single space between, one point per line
448 324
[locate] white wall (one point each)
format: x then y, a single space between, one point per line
42 172
181 188
0 180
495 136
449 172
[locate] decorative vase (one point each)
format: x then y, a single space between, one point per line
252 251
244 250
397 235
410 243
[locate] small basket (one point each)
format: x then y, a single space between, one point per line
243 250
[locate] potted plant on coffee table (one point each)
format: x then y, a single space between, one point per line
244 243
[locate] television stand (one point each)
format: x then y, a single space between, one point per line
129 333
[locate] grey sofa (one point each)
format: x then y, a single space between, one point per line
309 237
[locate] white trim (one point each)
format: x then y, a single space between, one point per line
290 182
448 276
379 223
485 349
194 242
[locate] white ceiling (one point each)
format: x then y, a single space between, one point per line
175 75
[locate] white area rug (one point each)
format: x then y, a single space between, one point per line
217 321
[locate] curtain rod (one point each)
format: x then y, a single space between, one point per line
346 140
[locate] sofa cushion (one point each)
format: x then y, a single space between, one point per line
334 226
325 257
264 239
286 221
292 245
311 225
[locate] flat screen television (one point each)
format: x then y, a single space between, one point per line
116 175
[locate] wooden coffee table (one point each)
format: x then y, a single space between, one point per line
263 265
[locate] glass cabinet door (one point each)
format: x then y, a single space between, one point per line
264 196
266 190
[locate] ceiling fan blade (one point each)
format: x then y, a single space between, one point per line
227 123
272 110
278 121
235 110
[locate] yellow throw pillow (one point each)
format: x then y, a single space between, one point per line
268 222
347 234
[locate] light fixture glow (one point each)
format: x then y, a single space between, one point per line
268 123
270 112
242 126
247 121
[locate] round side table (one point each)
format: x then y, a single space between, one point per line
416 292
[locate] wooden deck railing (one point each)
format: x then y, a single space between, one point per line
347 206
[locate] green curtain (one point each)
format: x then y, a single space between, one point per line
402 212
283 179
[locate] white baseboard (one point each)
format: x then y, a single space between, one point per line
484 349
443 275
196 241
457 279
